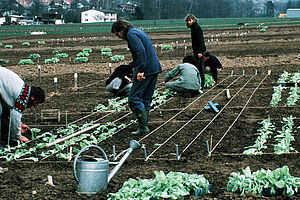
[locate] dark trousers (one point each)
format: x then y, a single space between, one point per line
200 66
141 92
5 127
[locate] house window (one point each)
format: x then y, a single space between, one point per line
86 20
86 14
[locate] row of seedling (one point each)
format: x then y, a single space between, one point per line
100 133
108 52
294 94
265 132
179 185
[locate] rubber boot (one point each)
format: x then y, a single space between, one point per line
142 117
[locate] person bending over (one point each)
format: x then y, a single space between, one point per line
189 82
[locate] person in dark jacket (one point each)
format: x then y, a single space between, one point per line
189 82
198 43
120 81
145 74
212 64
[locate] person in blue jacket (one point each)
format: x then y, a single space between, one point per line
145 74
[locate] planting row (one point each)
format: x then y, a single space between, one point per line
177 185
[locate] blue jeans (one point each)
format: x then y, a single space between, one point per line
140 96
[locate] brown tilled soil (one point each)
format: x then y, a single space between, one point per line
252 62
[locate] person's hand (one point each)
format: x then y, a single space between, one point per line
219 69
128 79
200 55
214 83
23 139
140 76
24 128
164 83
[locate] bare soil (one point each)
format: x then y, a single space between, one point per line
252 62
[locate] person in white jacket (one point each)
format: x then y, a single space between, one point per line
15 96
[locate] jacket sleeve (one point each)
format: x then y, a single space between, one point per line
138 52
15 124
171 74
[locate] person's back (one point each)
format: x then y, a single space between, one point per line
189 76
10 86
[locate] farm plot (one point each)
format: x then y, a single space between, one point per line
184 136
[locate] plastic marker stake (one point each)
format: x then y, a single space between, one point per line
39 73
177 152
75 79
207 146
55 84
213 106
114 152
109 65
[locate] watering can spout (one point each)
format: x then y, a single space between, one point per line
133 146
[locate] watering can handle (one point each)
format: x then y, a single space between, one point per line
82 150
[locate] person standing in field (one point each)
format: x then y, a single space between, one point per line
213 65
145 74
15 96
198 43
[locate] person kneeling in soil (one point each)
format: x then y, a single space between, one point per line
212 65
15 96
189 82
120 81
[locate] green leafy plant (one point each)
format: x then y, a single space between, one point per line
285 137
26 44
56 51
81 59
106 50
34 56
276 96
106 53
61 55
83 54
209 81
117 58
264 133
3 61
293 96
257 182
8 46
174 185
283 78
167 47
25 62
88 50
41 42
51 60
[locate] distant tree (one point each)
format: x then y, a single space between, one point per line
270 9
139 13
36 8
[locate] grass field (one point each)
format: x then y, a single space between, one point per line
148 25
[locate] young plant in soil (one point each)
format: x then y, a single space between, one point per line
263 182
264 133
174 185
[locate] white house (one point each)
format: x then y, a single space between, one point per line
293 12
2 20
95 15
